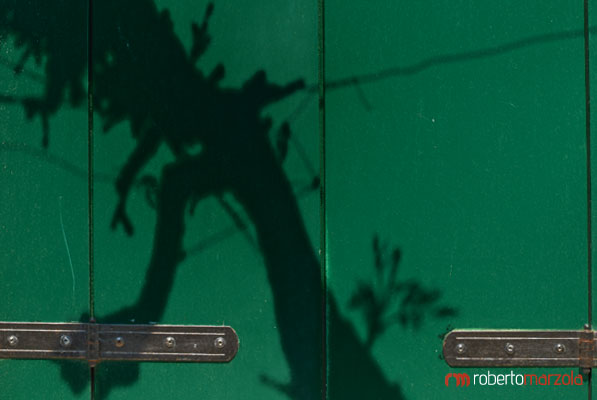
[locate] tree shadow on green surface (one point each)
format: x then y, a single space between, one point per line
387 300
143 75
53 33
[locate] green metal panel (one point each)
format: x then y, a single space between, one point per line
455 188
249 253
455 133
592 83
592 48
43 219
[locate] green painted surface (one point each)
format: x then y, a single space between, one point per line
43 218
593 92
245 243
253 229
455 171
464 146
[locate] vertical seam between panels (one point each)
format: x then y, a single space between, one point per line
323 225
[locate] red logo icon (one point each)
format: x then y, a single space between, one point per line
462 379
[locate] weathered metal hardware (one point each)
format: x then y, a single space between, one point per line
520 348
102 342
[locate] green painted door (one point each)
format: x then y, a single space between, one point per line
43 176
214 148
456 185
187 188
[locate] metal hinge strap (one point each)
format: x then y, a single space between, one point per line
93 352
520 348
586 349
99 342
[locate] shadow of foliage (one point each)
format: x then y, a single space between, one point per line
387 300
53 33
143 75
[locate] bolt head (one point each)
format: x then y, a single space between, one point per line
13 340
65 341
170 342
119 342
220 342
560 348
509 348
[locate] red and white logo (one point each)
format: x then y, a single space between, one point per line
491 379
462 379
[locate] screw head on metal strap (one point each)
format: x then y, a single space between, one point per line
65 341
13 340
509 348
220 342
560 348
119 342
170 342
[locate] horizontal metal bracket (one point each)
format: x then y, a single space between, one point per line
105 342
518 348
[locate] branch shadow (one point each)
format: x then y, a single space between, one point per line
387 300
142 74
